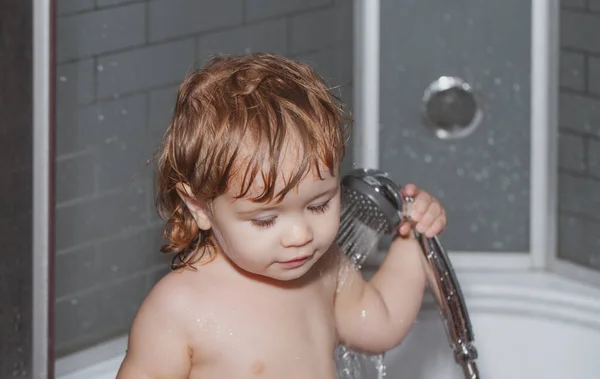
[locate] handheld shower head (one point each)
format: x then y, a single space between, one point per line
372 206
375 190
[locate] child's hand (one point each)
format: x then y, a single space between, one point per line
427 213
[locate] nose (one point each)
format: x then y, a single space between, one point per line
299 233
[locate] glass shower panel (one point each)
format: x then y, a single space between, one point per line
481 175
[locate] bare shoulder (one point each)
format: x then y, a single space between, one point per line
174 298
158 343
173 292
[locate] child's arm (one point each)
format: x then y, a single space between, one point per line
375 316
157 345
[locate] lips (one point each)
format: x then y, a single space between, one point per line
293 263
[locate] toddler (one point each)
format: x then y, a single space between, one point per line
249 186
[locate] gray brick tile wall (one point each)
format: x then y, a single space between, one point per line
145 68
119 65
594 159
88 317
580 31
75 177
581 233
594 74
122 163
269 36
76 268
121 256
579 195
594 5
572 153
321 29
91 33
71 6
573 4
579 138
572 70
105 3
100 123
261 9
104 216
579 112
75 83
192 16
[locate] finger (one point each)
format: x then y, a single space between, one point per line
432 213
404 229
436 229
420 206
410 190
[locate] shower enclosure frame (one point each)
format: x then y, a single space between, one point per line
42 357
545 39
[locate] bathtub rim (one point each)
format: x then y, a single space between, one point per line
523 294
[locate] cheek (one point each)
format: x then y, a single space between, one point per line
241 240
329 224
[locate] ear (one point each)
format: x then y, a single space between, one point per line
197 209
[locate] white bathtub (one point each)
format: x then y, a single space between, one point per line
527 325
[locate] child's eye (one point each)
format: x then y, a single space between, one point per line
320 208
263 223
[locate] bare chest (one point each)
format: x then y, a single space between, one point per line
267 333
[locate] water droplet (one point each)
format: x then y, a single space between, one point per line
497 81
114 268
100 117
100 68
63 79
427 158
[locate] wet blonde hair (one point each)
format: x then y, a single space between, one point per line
231 122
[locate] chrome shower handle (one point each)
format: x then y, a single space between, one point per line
451 303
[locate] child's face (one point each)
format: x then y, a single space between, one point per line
281 241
